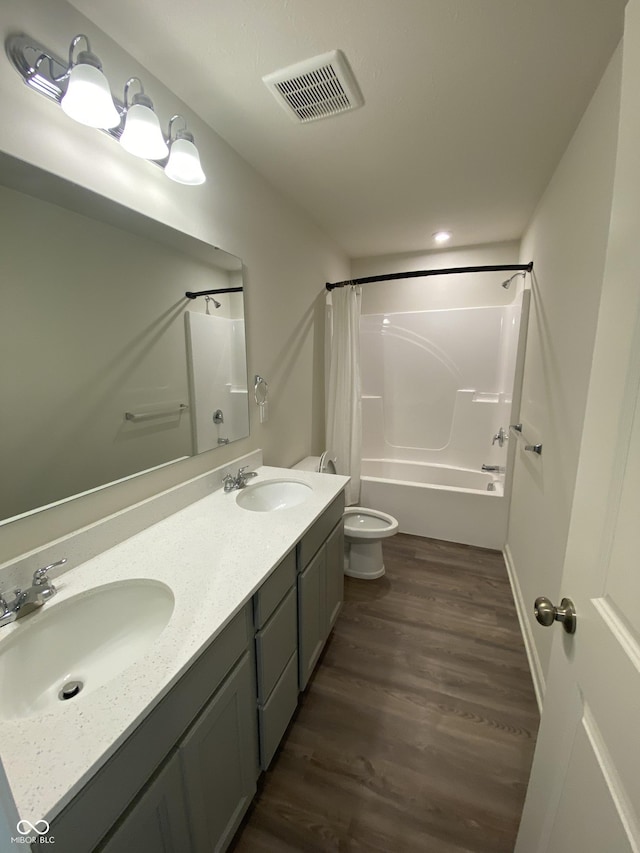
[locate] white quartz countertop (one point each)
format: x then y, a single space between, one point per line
213 555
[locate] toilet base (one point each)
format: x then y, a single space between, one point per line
363 559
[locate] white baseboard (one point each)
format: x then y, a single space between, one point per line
525 627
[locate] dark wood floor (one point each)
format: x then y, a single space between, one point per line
418 729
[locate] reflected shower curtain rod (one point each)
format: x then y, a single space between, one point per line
419 273
190 294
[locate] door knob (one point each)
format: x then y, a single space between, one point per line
547 614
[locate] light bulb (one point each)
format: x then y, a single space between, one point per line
88 98
142 136
183 165
442 236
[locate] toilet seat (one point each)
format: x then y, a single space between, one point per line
327 464
364 523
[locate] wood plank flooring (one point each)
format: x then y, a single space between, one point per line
418 728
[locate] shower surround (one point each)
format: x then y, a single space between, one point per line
437 386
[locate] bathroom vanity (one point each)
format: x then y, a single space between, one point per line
165 754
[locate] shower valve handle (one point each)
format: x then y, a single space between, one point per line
501 436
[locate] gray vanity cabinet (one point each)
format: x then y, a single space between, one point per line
186 775
218 763
320 558
196 802
159 820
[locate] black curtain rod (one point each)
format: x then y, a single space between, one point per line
191 295
419 273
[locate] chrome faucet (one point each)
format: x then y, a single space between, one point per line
240 479
494 469
25 601
501 436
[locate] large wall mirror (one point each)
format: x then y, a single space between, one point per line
106 369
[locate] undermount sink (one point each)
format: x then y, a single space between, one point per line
273 495
66 650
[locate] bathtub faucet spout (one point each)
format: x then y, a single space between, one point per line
494 469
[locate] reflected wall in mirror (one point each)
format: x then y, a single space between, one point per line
107 369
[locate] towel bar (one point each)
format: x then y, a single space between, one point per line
532 448
138 416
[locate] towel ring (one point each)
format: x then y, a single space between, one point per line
260 390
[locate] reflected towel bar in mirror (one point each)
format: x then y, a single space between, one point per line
138 416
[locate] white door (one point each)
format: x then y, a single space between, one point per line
584 793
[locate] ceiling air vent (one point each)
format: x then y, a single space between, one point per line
316 88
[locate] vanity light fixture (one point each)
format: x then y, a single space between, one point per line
183 164
81 89
442 236
88 97
78 85
142 136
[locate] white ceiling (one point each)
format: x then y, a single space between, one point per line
469 104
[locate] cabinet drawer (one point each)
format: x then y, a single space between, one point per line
274 717
317 534
273 590
275 644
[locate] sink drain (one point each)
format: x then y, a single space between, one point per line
70 689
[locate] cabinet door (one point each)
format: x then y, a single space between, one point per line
335 574
157 822
218 759
312 618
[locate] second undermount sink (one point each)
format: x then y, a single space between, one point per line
273 495
66 650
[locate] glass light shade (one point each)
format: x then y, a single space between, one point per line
142 136
183 165
88 98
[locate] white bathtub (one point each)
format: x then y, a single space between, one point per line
438 501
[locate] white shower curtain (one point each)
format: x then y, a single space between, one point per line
344 408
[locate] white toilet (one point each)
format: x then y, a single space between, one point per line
364 529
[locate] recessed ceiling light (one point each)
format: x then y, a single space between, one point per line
442 236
